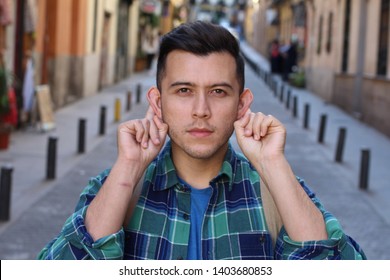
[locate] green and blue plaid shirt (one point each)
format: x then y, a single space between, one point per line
234 225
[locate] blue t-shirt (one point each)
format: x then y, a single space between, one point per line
199 201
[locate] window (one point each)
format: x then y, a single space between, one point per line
330 33
319 46
347 22
383 38
95 15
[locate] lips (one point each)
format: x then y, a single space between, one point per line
200 132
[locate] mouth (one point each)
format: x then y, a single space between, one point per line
200 132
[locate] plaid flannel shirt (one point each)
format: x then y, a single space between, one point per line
234 225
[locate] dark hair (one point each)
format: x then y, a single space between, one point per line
200 38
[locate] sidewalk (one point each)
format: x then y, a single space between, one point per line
27 153
359 136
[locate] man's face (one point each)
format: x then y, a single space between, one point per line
200 100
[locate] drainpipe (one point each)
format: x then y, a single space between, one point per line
357 95
19 54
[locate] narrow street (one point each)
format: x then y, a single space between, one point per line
40 207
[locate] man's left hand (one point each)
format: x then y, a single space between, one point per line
260 137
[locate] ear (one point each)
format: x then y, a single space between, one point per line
154 98
245 102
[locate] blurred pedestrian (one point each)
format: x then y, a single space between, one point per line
290 57
275 57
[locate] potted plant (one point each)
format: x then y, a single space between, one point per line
6 117
297 78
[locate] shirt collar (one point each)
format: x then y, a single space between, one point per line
166 176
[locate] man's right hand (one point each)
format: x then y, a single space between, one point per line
140 140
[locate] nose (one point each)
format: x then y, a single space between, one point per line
201 108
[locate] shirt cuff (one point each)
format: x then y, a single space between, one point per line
337 246
108 247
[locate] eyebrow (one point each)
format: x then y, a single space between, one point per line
175 84
223 84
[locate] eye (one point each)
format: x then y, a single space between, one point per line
218 92
183 91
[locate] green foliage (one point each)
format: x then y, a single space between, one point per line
4 101
149 19
298 79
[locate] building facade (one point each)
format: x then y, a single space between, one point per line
345 50
349 66
77 47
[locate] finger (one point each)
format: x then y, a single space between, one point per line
154 133
139 131
162 128
268 122
241 123
145 136
244 120
149 113
249 127
256 126
127 127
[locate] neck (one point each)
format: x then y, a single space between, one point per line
198 172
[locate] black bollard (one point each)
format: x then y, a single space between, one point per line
340 144
102 120
51 158
288 99
295 106
364 169
281 94
81 136
139 88
5 192
272 84
321 132
128 103
306 115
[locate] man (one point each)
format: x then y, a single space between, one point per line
199 198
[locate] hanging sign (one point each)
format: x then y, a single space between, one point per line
150 6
